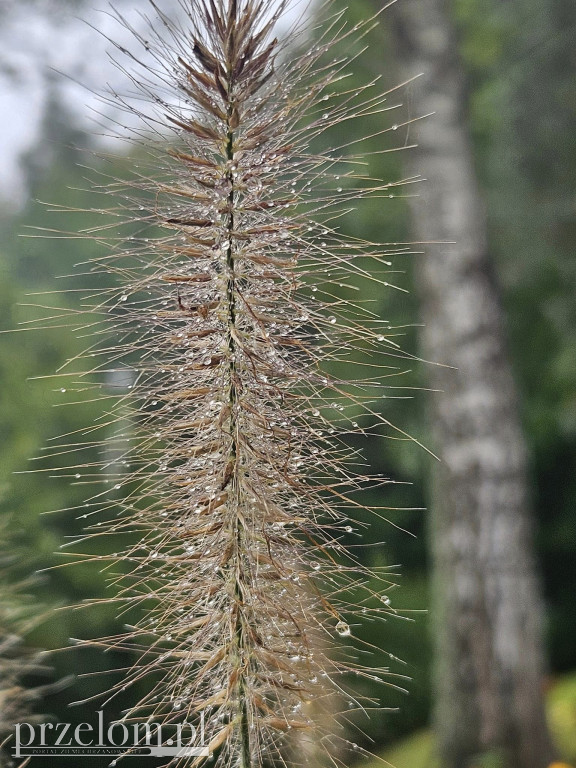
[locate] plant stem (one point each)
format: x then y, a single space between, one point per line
245 750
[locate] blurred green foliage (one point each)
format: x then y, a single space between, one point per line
38 492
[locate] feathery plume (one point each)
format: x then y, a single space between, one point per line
234 477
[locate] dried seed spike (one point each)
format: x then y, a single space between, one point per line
202 131
242 477
214 19
232 13
254 67
192 159
231 35
208 61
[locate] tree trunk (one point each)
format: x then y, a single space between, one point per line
487 609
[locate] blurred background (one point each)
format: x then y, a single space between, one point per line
488 576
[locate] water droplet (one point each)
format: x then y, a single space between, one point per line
124 298
343 629
332 320
394 127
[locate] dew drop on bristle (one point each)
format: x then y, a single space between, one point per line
343 629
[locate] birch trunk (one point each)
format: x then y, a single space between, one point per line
487 611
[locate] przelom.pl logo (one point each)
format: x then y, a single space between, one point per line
114 740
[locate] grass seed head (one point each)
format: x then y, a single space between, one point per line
230 470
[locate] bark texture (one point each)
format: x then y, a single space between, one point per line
488 609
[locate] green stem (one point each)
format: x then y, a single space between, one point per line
245 750
245 756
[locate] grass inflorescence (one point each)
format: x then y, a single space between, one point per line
231 471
